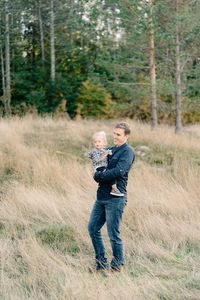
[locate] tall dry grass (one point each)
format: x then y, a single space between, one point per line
47 193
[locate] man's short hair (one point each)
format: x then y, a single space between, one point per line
125 126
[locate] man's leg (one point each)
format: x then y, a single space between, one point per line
97 220
114 212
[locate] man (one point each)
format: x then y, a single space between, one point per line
107 208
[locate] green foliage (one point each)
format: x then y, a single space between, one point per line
34 92
94 101
109 42
191 111
28 88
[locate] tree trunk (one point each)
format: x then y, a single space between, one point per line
154 119
2 69
81 12
7 110
41 33
52 42
12 42
71 31
178 79
3 77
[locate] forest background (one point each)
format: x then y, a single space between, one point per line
98 59
102 59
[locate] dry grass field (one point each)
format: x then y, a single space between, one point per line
47 193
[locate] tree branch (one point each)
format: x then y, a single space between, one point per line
133 83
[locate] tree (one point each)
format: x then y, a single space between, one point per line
2 69
154 118
130 55
7 109
178 73
180 30
94 101
143 52
52 36
41 33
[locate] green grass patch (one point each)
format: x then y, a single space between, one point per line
59 237
21 265
14 232
187 248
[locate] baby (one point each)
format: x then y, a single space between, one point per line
99 157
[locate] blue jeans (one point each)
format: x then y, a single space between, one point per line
109 211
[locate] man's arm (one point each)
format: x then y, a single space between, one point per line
123 165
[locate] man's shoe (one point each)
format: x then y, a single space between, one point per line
104 272
116 192
115 271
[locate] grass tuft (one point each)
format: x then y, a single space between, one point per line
59 237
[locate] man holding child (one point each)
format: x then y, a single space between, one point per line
108 208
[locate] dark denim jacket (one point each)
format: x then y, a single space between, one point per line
119 165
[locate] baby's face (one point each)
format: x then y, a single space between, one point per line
99 142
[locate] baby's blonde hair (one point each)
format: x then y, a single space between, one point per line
100 134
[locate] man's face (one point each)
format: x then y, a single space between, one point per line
119 137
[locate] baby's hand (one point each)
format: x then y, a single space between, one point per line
93 172
109 152
106 154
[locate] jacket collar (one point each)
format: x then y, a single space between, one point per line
116 149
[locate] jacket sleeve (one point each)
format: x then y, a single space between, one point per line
122 167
